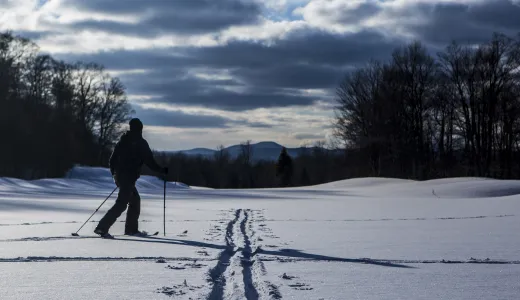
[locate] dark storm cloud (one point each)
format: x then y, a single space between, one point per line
185 90
181 17
151 59
180 119
359 13
497 13
259 125
467 23
253 124
308 136
173 83
303 76
270 75
238 101
32 35
160 117
303 47
305 59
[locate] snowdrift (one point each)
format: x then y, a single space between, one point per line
94 179
84 178
460 187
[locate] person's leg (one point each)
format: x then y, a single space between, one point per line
134 210
124 196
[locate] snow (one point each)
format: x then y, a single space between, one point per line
365 238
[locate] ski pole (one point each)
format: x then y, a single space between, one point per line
164 209
76 233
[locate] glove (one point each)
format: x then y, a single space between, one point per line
165 170
116 181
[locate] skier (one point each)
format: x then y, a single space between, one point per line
130 153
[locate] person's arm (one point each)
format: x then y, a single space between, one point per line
114 158
149 160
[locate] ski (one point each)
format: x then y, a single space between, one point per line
107 236
154 234
144 235
113 237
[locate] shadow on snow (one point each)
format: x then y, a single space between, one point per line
288 253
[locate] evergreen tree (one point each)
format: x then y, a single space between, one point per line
284 168
305 180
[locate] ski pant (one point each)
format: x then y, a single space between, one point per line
128 196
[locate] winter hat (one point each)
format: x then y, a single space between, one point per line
136 125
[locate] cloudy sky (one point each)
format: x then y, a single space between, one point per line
201 73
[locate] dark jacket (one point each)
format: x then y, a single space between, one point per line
129 155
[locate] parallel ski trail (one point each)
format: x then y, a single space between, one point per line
217 273
238 272
264 288
249 285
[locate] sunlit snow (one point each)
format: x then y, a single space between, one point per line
366 238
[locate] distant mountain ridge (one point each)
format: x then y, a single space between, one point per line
268 151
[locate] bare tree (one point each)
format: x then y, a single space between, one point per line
111 113
417 116
88 83
69 112
246 153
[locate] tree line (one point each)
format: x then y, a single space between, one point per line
422 116
416 115
315 165
55 114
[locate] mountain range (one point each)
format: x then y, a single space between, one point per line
268 151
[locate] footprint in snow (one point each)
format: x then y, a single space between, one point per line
178 289
301 286
287 277
175 268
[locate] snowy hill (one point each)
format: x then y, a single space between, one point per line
84 179
261 151
364 238
463 187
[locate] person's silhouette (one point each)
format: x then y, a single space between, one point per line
130 153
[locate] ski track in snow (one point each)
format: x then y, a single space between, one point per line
247 263
266 288
50 238
238 272
374 261
57 238
388 219
216 274
277 220
96 221
158 259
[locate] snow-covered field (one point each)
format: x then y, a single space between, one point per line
364 238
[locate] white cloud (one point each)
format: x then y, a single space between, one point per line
338 15
266 31
55 17
286 124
